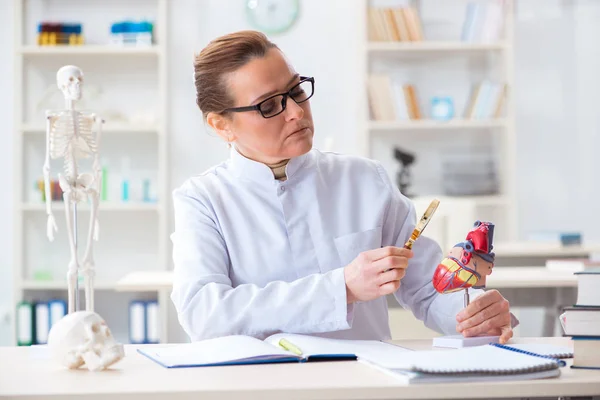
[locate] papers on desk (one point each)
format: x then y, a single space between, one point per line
482 363
488 362
239 350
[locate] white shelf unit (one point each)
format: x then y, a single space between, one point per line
31 129
106 206
375 136
418 125
391 48
99 50
133 234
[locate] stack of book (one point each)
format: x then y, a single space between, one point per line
395 25
484 22
390 100
486 100
582 321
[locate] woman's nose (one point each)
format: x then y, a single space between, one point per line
293 110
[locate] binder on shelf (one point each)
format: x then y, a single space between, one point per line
137 322
42 322
144 325
58 309
152 326
24 324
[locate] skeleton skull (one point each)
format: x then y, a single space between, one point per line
69 80
81 338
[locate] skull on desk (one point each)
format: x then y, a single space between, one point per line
84 338
468 263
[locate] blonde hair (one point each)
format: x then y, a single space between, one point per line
220 57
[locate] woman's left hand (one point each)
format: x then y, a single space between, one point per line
488 314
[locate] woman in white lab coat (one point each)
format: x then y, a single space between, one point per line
284 238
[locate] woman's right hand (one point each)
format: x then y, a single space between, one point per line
375 273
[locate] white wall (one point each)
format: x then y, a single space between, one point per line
557 117
322 43
6 166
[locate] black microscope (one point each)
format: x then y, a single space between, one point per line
403 175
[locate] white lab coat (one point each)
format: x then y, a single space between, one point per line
256 256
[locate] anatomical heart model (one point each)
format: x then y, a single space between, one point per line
468 263
81 337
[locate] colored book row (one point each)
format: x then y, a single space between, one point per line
395 25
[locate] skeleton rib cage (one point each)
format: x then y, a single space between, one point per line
72 138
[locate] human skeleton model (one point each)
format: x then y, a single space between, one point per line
72 136
81 337
468 263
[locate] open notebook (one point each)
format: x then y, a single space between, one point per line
471 364
239 350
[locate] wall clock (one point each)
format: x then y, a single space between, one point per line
272 16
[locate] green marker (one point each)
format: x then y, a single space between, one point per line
286 345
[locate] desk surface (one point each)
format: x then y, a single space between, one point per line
501 277
26 372
529 277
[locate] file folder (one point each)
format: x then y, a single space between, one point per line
42 323
58 309
152 323
137 322
24 324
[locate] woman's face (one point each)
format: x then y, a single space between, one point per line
268 140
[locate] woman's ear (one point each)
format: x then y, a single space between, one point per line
221 125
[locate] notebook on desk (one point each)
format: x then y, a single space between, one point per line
279 348
471 364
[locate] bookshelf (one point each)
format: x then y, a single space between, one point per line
121 84
424 124
396 48
441 56
90 49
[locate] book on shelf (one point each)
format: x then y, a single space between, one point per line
484 22
398 24
390 100
486 100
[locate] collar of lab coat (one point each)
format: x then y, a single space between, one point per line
259 172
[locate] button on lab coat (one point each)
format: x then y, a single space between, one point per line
256 256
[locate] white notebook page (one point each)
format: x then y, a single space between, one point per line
213 351
372 350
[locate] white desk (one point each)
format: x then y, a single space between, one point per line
146 281
26 373
529 277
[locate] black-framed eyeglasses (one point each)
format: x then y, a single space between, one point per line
275 104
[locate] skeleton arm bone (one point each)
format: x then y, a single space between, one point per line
96 166
51 225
